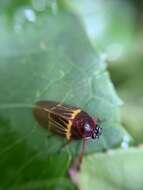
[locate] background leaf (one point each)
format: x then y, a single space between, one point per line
128 78
110 25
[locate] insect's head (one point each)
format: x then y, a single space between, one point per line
92 129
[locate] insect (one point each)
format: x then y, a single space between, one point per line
67 121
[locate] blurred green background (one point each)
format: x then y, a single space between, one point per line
86 53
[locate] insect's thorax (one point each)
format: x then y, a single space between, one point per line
82 126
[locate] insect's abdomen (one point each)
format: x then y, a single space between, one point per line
56 117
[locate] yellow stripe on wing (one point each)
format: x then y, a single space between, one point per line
69 125
67 114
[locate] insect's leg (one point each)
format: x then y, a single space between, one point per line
75 167
82 151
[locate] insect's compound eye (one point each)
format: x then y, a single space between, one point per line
87 127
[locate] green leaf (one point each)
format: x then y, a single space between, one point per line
113 170
128 78
109 24
26 168
49 58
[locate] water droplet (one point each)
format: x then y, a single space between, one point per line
125 142
22 16
30 15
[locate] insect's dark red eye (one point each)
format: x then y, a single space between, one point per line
87 127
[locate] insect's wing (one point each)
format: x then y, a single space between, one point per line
55 116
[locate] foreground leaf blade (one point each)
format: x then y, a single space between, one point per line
118 169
